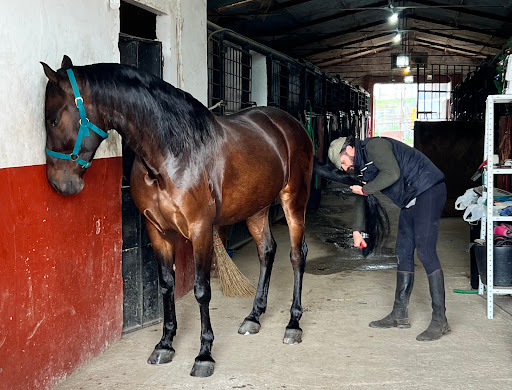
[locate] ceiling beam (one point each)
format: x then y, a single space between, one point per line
440 48
386 47
275 7
424 31
464 10
304 42
230 18
352 55
426 42
345 45
317 40
315 22
495 33
456 38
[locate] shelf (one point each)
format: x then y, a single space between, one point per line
500 218
502 291
489 217
499 98
502 171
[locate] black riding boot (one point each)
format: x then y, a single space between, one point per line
398 317
439 324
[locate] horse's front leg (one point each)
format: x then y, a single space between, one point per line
202 244
164 254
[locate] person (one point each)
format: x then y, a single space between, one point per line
417 187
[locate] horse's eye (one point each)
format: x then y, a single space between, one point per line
55 122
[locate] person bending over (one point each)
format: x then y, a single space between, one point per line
417 187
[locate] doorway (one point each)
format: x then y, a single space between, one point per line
396 106
141 303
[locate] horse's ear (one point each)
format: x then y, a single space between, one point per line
66 62
50 73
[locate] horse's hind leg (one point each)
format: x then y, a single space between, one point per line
294 200
164 253
259 228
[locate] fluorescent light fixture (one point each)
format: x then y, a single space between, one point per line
393 19
409 79
397 38
402 61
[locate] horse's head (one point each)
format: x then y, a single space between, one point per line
70 145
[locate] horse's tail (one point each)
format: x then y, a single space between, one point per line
377 224
376 217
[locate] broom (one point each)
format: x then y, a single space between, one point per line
232 282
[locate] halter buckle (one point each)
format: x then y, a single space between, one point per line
76 101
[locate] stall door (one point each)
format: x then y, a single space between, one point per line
141 304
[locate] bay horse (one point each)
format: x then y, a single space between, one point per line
192 171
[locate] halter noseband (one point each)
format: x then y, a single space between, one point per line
85 125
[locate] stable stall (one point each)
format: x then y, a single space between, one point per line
80 290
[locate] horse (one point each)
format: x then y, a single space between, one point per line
193 171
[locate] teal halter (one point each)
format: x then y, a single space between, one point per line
85 125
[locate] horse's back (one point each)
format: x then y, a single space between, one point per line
264 148
276 126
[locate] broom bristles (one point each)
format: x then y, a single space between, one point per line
232 282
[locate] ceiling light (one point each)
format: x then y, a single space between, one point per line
397 38
393 19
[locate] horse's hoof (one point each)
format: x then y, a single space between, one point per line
161 356
202 369
292 336
249 327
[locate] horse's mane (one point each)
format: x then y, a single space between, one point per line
178 120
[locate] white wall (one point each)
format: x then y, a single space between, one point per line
189 47
44 30
87 31
181 27
259 79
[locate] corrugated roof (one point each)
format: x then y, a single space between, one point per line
354 37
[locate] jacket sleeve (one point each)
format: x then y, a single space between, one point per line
380 151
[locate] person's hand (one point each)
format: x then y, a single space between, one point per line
359 241
357 190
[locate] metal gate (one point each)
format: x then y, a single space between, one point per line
141 303
229 76
284 83
435 94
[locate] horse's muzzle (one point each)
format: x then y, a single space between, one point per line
68 186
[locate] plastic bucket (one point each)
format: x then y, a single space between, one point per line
502 264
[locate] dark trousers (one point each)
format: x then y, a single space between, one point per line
418 228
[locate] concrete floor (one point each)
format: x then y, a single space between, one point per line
342 294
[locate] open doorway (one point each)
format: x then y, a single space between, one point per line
142 305
396 106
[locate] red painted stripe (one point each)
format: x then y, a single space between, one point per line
61 284
60 276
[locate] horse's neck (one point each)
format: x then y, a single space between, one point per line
143 143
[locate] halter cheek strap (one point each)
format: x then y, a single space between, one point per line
85 126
